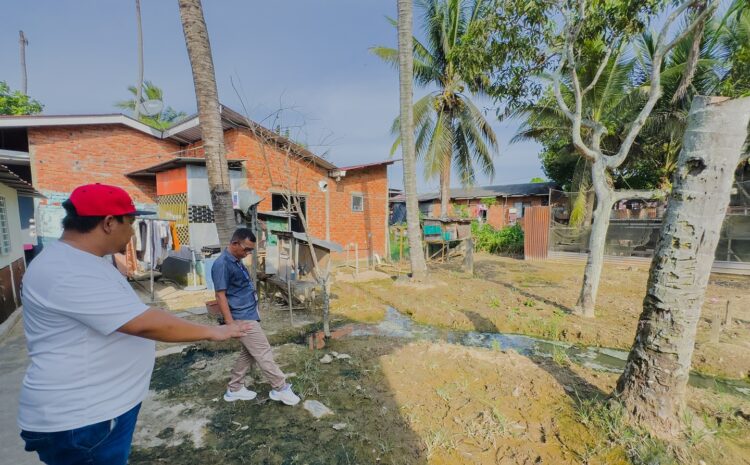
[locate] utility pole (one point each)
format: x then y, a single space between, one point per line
23 42
139 92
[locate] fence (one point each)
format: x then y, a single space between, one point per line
635 226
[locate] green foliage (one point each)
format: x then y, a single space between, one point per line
168 116
723 68
461 210
16 102
489 201
506 47
508 240
450 130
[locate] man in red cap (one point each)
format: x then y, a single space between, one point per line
90 338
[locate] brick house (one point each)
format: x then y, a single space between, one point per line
58 153
507 207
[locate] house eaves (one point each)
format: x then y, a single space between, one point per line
76 120
189 132
12 180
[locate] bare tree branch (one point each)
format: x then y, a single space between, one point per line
599 71
655 87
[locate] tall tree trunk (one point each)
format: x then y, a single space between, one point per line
597 240
24 81
445 187
405 75
209 114
139 86
652 387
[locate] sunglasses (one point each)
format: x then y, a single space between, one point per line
245 249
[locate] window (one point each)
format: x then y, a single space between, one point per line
4 229
358 203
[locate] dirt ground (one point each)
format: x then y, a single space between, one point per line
536 298
415 403
401 402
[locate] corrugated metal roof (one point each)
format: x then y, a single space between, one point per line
188 131
12 180
26 121
367 165
507 190
175 163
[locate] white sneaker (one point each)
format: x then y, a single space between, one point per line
285 395
243 394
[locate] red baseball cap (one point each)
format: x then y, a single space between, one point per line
102 200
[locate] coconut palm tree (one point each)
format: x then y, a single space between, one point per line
406 92
209 114
450 130
167 117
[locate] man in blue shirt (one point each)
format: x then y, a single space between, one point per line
238 300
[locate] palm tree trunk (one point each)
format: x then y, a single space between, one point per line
445 187
209 114
653 385
597 240
405 74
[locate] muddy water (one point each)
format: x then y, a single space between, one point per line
398 325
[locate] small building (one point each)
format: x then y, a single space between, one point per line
499 206
13 190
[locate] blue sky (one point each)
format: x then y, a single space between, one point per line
307 57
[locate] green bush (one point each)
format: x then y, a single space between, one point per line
508 240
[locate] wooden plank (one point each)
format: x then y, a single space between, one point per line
18 268
7 302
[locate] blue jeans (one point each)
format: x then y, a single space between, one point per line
104 443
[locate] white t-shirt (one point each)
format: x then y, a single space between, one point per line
82 370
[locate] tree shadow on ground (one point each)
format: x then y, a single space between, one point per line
574 385
485 270
266 432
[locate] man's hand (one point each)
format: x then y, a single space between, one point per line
237 328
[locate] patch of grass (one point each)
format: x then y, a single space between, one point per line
439 439
560 357
443 394
608 420
494 302
551 327
307 380
529 303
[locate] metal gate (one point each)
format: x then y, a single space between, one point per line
535 232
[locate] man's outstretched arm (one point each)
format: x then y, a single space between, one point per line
160 325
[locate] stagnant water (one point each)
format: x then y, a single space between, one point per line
396 324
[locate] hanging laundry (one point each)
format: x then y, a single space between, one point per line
175 237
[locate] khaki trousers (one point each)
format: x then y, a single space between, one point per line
256 349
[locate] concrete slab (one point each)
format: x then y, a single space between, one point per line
13 362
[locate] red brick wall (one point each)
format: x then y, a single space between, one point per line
346 226
68 156
65 157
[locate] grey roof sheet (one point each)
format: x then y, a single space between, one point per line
505 190
12 180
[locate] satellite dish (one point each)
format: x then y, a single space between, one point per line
323 185
151 107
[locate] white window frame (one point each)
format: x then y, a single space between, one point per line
4 228
362 202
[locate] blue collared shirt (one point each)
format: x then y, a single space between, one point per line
230 275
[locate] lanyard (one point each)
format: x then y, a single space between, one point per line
244 270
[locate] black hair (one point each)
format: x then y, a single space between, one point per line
240 234
81 224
